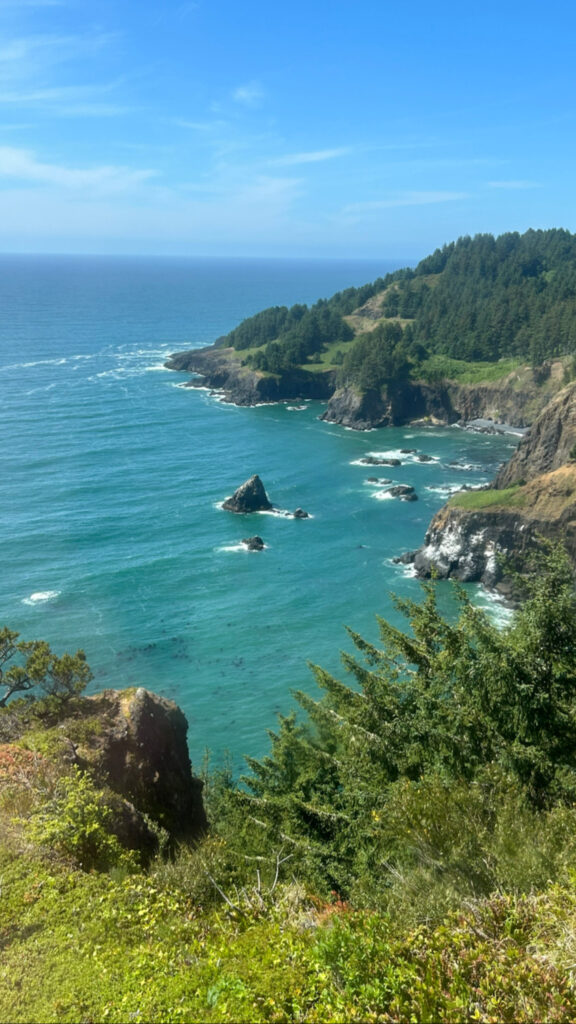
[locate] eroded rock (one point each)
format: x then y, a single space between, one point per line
249 497
254 543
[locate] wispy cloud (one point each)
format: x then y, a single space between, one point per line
77 101
29 74
314 157
251 94
205 127
22 164
520 184
424 198
27 56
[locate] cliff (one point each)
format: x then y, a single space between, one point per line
515 399
533 496
222 370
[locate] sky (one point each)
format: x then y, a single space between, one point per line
345 129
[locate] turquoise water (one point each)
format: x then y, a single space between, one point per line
111 530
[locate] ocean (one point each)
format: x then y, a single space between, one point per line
111 530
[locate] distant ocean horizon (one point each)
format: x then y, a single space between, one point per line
112 534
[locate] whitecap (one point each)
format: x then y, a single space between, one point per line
232 547
40 596
402 455
383 496
36 362
495 606
448 488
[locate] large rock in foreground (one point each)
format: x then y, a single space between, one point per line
250 497
138 748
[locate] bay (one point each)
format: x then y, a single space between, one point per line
111 531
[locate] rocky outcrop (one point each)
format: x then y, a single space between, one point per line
533 497
360 410
132 745
403 491
549 443
474 544
470 546
221 369
249 497
515 399
137 746
254 543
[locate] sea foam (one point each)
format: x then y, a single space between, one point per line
40 596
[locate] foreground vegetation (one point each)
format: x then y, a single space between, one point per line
407 851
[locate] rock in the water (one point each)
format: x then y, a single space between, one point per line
375 460
406 559
254 543
403 491
424 458
301 514
250 497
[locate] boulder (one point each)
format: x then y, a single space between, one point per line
254 543
138 748
250 497
301 514
403 491
375 460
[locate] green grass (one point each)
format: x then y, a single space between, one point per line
510 497
438 367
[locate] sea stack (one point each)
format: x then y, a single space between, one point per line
250 497
254 543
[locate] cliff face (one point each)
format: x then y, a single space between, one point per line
533 496
516 399
359 410
512 402
548 444
221 369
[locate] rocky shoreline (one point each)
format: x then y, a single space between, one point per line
512 402
466 542
532 499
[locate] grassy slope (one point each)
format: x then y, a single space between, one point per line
547 497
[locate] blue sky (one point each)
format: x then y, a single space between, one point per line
245 128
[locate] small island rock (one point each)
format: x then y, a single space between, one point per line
301 514
250 497
375 460
254 543
403 491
